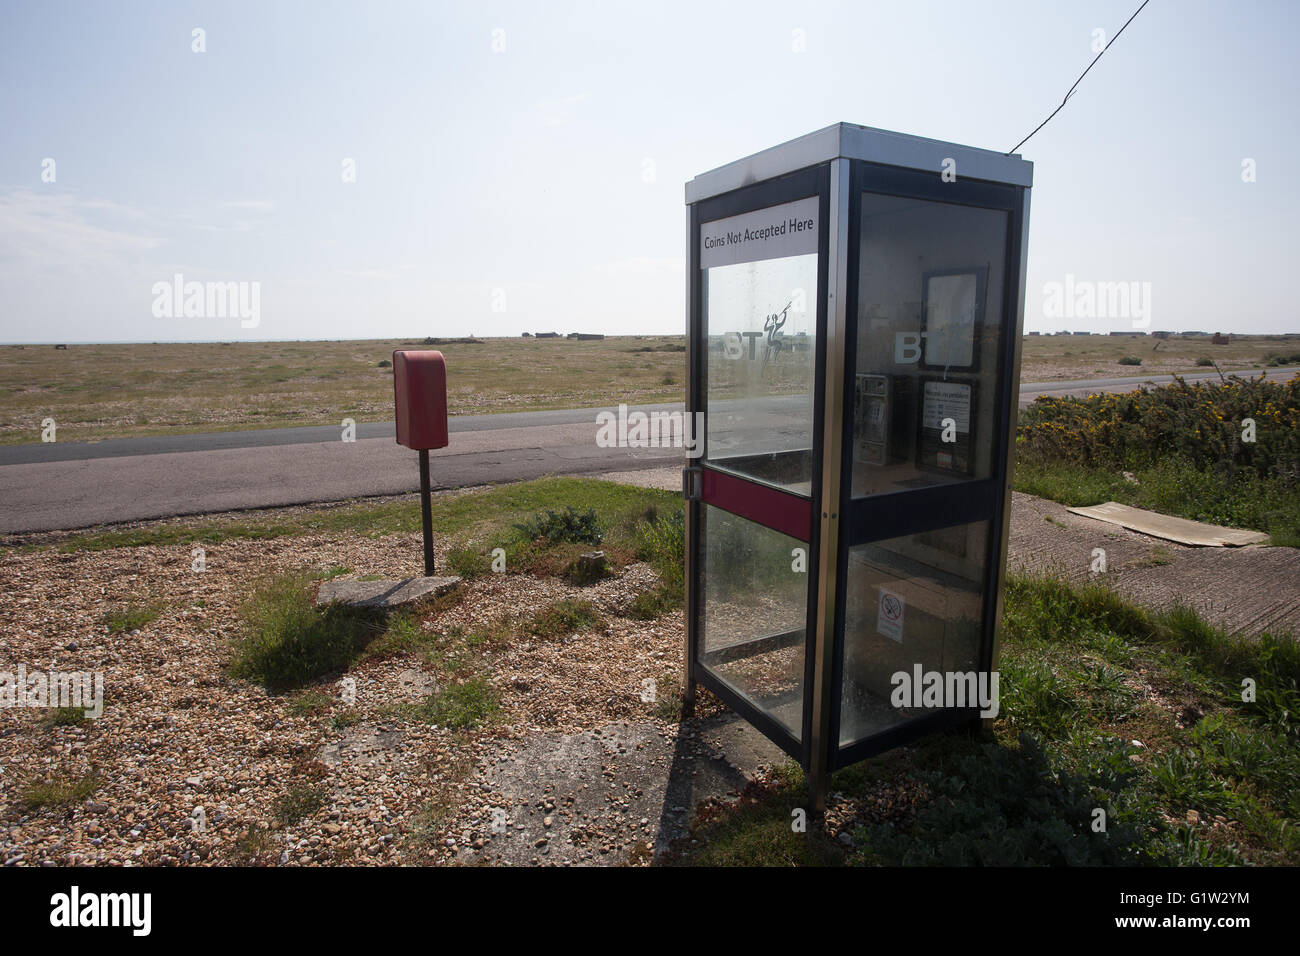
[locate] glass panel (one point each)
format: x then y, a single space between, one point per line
754 613
760 319
914 600
929 326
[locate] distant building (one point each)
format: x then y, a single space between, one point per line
1220 339
1161 335
528 335
548 335
1128 333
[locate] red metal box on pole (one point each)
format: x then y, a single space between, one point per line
420 398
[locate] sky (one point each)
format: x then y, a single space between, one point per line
394 169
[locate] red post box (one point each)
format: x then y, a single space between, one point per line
420 402
420 399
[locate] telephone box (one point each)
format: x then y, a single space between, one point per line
855 306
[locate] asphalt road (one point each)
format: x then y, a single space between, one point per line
68 485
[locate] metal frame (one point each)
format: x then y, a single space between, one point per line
853 160
795 184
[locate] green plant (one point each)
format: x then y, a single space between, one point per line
297 803
1130 360
58 791
468 563
254 845
66 717
130 618
563 526
461 705
998 806
310 703
564 617
287 641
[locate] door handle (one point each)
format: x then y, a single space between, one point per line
692 483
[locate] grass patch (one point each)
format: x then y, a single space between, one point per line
486 514
564 617
461 705
58 792
468 563
254 846
297 803
133 617
1105 706
66 717
287 641
310 703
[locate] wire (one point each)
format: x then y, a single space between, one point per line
1079 80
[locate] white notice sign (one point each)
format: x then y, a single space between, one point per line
889 620
946 400
772 233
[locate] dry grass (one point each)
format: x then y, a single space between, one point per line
1066 358
116 391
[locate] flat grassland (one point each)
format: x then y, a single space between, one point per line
116 391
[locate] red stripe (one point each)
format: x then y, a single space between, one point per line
778 510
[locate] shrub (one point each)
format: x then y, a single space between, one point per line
1204 362
1199 422
1130 360
568 526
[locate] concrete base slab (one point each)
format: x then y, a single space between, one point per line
1180 530
384 594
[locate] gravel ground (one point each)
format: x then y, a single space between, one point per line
189 766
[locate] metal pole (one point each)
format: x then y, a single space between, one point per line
426 512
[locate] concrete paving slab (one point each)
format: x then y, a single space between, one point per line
384 594
1181 530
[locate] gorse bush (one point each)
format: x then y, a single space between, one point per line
1200 423
568 525
1187 446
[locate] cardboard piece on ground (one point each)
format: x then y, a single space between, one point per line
383 594
1180 530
